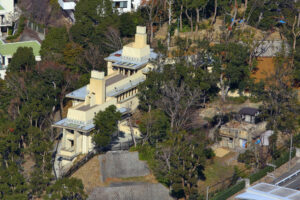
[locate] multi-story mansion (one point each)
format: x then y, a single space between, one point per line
126 69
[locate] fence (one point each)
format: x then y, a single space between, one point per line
36 27
112 147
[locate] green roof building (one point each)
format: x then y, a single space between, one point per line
7 51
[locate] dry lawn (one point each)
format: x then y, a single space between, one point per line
221 152
265 67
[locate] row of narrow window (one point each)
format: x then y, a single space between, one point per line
127 94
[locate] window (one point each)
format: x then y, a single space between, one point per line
120 4
123 4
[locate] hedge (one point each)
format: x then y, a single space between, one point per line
230 191
261 173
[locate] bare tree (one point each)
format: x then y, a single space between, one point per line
215 12
113 38
94 56
152 8
170 3
179 103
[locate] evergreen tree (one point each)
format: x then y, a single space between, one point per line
106 123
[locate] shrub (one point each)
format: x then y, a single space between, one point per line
247 157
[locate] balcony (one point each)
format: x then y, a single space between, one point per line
67 4
67 153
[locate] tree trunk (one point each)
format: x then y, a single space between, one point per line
151 34
234 14
198 19
180 17
298 22
215 12
132 132
291 147
259 19
246 6
170 2
190 19
61 105
224 89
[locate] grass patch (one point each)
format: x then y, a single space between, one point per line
216 172
146 153
237 100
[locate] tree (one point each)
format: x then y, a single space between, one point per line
152 8
231 65
72 57
187 163
154 126
66 188
54 44
12 183
22 60
106 123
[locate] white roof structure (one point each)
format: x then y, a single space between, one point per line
265 191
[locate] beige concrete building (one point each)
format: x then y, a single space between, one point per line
126 69
237 134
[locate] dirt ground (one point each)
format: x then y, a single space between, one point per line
90 174
28 165
265 67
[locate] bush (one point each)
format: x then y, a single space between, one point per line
285 156
230 191
247 157
20 29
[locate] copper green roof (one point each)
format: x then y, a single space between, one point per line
1 7
8 49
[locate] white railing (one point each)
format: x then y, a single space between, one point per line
288 178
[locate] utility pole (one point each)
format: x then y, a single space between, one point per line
291 147
207 190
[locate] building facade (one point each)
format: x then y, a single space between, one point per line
8 15
121 5
126 69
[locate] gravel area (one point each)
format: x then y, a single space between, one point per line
122 164
131 191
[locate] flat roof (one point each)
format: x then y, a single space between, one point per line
129 85
8 49
74 125
79 93
82 92
114 79
271 192
79 125
118 61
